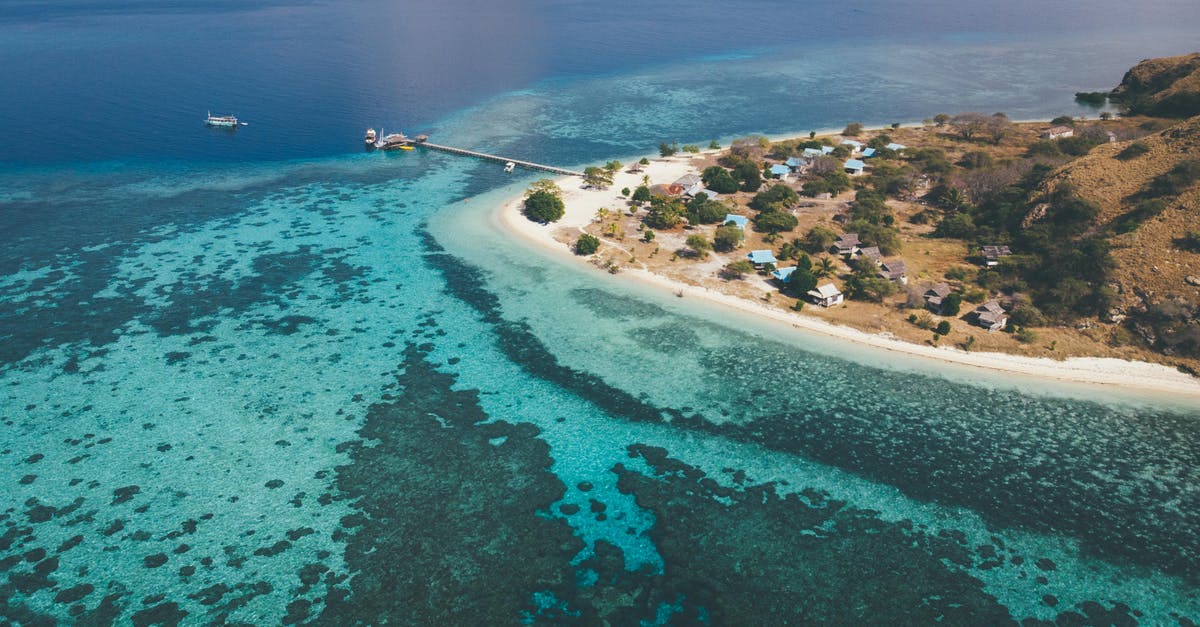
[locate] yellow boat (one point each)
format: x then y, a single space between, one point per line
406 147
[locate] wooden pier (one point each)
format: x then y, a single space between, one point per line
529 165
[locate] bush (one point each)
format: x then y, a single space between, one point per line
1176 181
779 196
624 191
853 129
1025 336
647 236
1133 151
1189 242
586 245
1063 120
958 273
641 194
943 328
819 239
1027 315
736 269
543 206
699 245
975 160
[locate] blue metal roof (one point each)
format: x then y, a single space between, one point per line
780 170
812 152
826 149
783 273
851 142
895 146
741 221
868 152
795 162
854 164
762 256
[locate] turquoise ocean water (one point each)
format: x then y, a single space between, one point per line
271 379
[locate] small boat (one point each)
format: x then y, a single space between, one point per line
370 139
509 167
406 147
223 121
393 141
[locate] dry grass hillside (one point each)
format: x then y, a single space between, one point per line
1167 86
1151 267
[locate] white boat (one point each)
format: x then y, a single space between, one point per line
223 121
510 166
370 139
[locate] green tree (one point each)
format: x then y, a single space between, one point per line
641 194
775 221
543 206
943 328
699 245
624 191
597 177
824 268
644 161
647 236
544 185
819 239
956 226
777 197
853 129
713 145
719 180
586 245
941 119
666 150
728 237
613 166
749 176
664 215
951 304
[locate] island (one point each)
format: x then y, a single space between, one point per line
1067 248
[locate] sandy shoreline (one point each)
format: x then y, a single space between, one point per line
582 206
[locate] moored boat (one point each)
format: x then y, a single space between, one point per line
370 139
223 121
510 166
393 141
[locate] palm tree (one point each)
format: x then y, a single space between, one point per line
825 267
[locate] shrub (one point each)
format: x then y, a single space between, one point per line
958 273
1025 336
1027 315
1133 151
853 129
543 206
1189 242
779 196
1063 120
1176 181
586 245
624 191
647 236
943 328
975 296
975 160
641 194
699 245
775 222
819 239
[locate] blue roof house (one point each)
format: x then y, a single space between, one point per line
738 221
854 166
795 162
782 274
853 144
895 146
780 170
826 149
809 153
760 257
867 153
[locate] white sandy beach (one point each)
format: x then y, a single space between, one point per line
581 206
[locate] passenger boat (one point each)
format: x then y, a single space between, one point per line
393 141
223 121
370 139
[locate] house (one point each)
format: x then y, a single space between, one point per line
762 257
935 295
854 167
780 171
872 252
1056 132
992 254
867 153
668 191
847 244
991 316
812 153
855 146
699 188
738 221
894 270
896 147
782 274
826 295
795 163
687 180
826 150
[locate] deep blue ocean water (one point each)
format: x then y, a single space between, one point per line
261 376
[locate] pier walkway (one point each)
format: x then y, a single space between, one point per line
485 156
